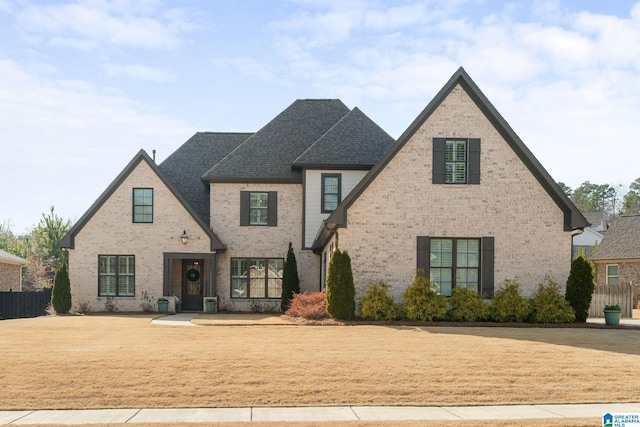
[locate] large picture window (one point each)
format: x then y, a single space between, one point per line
143 205
116 276
256 277
331 184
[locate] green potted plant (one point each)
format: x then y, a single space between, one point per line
163 305
612 314
210 304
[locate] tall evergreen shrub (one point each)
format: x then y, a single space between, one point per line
290 279
61 293
341 292
580 288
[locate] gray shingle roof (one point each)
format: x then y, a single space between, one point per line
355 141
268 155
622 240
185 166
596 219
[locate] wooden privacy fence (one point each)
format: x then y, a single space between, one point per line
14 305
609 295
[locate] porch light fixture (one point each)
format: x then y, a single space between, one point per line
184 237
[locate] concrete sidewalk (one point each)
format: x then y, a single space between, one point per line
314 414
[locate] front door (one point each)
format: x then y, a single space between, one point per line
192 284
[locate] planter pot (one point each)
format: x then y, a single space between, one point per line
210 307
612 317
163 306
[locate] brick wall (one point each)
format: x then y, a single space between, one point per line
9 277
259 241
111 231
509 204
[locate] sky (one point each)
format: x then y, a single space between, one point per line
86 84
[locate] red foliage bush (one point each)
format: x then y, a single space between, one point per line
312 306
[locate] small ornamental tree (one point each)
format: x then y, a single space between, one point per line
61 294
341 292
290 279
580 287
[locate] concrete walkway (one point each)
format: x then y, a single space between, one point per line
314 414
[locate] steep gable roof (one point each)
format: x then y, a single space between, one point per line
622 240
68 240
573 219
185 166
268 155
355 141
596 220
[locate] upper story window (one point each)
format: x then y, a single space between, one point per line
331 185
143 205
456 161
258 208
612 274
116 275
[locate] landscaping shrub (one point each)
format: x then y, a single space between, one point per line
290 279
421 301
508 305
312 306
549 306
580 288
377 304
341 292
61 293
467 306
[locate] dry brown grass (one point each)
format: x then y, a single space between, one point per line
69 362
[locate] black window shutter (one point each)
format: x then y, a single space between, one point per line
488 285
244 208
272 219
473 176
438 167
422 256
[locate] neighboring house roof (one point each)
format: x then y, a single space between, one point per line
596 220
68 239
185 166
268 155
573 219
355 141
7 258
622 240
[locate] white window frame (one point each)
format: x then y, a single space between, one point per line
610 276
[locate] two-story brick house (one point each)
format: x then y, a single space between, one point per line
456 195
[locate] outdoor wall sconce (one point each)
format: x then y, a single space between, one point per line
184 237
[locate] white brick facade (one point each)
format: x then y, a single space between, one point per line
402 203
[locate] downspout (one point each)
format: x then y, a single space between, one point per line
574 233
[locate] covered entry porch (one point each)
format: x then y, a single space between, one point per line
191 277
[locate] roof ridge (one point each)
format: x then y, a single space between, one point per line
317 141
609 243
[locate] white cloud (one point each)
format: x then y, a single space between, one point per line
140 72
88 24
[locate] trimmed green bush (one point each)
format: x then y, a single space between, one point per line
61 293
467 306
377 304
290 279
580 288
508 305
549 306
341 292
421 301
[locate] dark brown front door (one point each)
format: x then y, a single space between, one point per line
192 284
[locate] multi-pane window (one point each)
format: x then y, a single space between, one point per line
612 274
116 275
258 208
454 262
456 161
331 184
256 277
143 205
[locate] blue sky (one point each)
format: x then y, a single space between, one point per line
85 84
